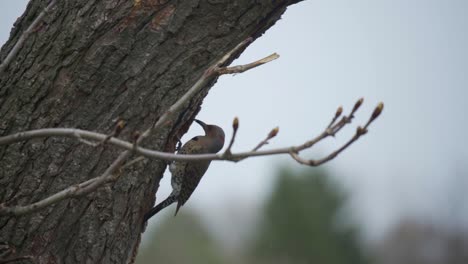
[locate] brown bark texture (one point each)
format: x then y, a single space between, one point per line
88 63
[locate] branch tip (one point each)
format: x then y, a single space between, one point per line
119 127
357 105
339 111
273 133
269 58
235 123
242 68
377 111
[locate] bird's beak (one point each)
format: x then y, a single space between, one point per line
201 123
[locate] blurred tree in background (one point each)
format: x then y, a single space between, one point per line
179 240
417 242
300 224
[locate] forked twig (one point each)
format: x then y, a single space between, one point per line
112 172
270 135
89 185
360 131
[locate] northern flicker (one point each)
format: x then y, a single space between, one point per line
187 175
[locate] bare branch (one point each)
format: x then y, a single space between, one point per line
111 174
94 183
246 67
201 82
114 170
360 131
86 142
72 133
67 193
24 36
130 163
332 155
84 134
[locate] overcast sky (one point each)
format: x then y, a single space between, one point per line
410 54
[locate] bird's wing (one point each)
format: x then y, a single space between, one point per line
192 171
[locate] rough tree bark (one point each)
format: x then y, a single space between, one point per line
87 64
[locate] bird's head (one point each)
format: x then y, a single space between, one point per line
215 134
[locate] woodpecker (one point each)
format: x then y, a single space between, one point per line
187 175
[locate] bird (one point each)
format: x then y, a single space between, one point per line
187 175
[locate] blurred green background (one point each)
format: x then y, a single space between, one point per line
299 223
304 220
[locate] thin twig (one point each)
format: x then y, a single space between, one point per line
235 127
327 158
270 135
360 131
130 163
67 193
338 113
84 141
246 67
24 36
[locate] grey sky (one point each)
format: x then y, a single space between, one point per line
411 54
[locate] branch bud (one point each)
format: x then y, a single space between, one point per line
361 131
273 132
377 111
358 104
119 127
339 111
235 123
136 136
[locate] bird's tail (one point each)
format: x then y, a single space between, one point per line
169 200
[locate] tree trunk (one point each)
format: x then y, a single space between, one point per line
86 65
